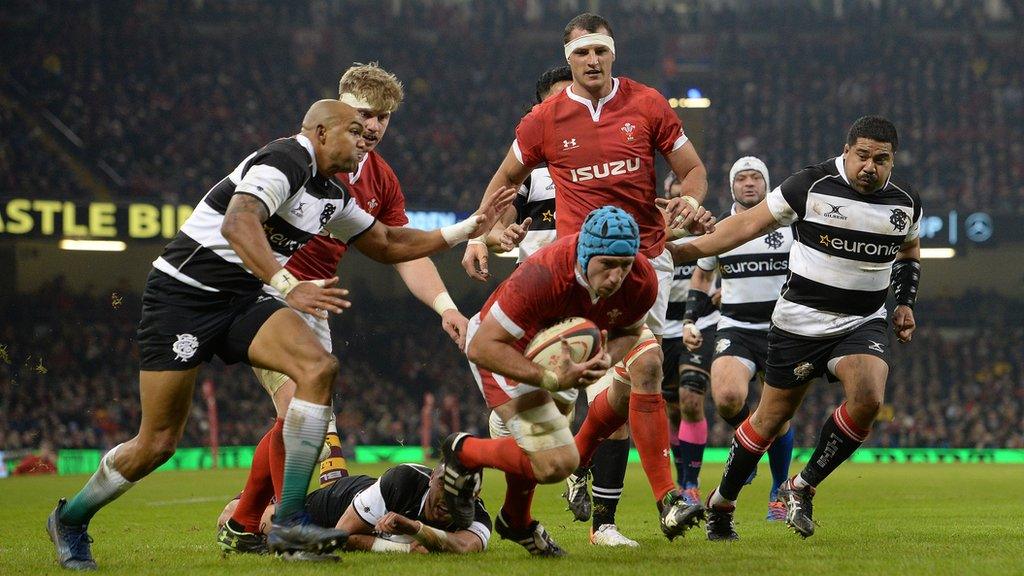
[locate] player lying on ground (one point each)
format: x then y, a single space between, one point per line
402 511
205 297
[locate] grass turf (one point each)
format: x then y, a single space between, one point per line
873 519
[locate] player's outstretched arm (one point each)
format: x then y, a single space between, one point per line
474 260
422 279
687 165
728 234
392 244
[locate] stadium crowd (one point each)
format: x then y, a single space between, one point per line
68 375
169 119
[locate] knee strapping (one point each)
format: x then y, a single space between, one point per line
540 428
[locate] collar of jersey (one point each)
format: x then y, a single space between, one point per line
583 282
354 176
595 113
841 167
308 145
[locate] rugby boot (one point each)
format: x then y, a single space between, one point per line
71 542
799 507
677 516
609 535
461 484
577 495
692 495
776 512
297 533
233 541
534 538
719 524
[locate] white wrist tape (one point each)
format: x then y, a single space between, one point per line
444 303
284 281
594 39
478 240
460 231
382 545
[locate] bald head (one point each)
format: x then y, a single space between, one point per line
336 131
328 113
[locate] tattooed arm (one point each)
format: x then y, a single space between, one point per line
243 229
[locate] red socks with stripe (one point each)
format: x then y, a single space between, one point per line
747 448
499 453
839 439
260 486
601 422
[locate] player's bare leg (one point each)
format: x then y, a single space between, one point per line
165 397
750 442
863 377
287 345
540 450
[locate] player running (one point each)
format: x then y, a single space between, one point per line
596 274
600 151
752 278
204 296
403 511
856 234
376 95
686 372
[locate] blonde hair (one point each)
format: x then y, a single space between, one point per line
380 88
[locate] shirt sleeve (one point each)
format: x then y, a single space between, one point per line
780 207
666 128
481 525
349 222
272 177
708 263
369 504
529 143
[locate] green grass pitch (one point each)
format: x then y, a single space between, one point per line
873 519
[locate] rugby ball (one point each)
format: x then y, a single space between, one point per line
582 335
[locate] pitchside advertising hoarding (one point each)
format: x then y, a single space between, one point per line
127 221
143 221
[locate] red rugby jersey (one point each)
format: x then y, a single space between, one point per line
545 289
604 155
377 191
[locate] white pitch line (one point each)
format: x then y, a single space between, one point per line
198 500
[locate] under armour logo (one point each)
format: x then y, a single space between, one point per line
569 144
876 346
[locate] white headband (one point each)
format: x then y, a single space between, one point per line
355 101
593 39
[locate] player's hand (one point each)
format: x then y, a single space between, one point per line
491 208
716 298
474 261
319 297
681 215
582 374
514 234
903 323
417 548
455 324
395 523
692 337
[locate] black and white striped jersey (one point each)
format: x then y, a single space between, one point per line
677 298
536 199
844 246
300 202
752 278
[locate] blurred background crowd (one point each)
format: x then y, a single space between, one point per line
157 99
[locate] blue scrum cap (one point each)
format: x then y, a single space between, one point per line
607 231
